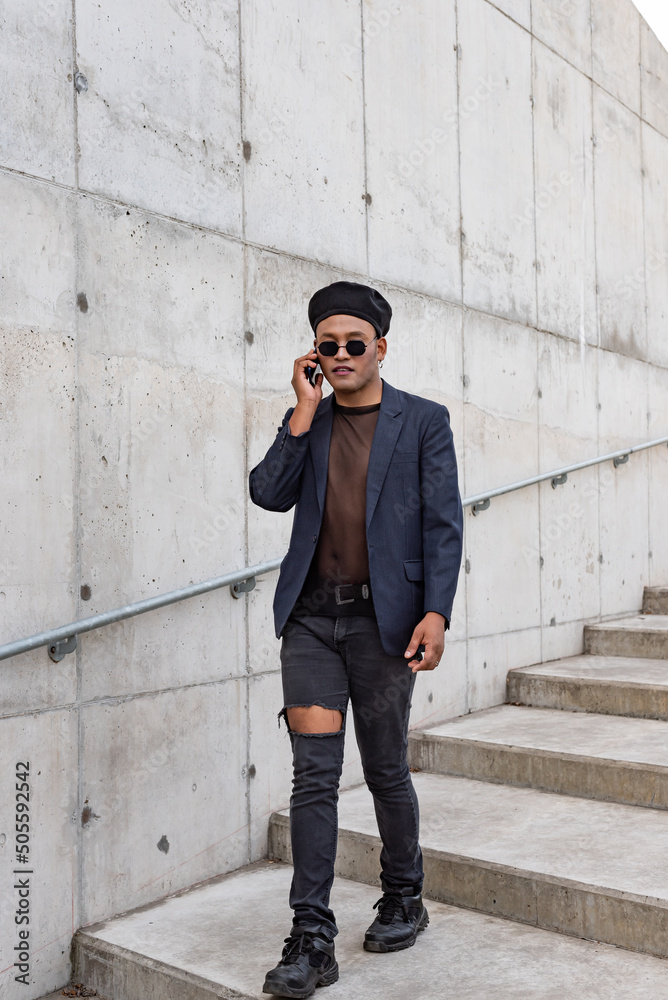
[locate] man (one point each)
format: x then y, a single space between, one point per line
367 584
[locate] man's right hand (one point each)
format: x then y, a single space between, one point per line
308 396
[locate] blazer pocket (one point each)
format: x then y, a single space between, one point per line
414 569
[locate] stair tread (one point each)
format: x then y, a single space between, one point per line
602 844
230 932
609 737
636 623
616 669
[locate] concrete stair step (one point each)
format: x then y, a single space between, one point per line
595 756
641 635
608 685
655 600
591 869
218 940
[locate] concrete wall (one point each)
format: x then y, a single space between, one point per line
499 171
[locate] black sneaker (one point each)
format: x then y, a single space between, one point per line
307 961
400 918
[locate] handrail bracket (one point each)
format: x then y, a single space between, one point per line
559 480
58 650
481 505
620 460
242 587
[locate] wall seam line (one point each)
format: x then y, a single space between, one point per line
467 700
364 136
244 307
76 505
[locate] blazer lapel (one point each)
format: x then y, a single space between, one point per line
385 437
321 433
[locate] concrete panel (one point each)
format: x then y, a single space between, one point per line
47 742
458 622
620 255
303 131
657 459
37 366
653 78
412 152
562 639
518 10
500 406
424 351
38 256
164 796
502 593
568 513
162 291
441 693
162 480
564 202
271 755
498 252
500 373
490 659
569 537
655 183
159 124
37 123
162 466
37 533
565 28
623 491
615 41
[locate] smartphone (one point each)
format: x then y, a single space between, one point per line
418 655
312 372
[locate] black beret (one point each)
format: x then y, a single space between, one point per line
351 299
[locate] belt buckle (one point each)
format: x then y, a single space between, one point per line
337 596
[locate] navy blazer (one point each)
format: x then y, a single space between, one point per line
414 522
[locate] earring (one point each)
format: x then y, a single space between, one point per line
380 364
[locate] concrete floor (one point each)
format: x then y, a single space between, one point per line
231 931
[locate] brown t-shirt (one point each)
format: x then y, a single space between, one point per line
341 555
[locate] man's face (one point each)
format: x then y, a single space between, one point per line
343 372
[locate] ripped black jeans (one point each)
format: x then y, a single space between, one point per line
325 661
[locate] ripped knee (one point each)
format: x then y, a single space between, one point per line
314 719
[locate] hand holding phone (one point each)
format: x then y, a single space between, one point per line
311 373
307 380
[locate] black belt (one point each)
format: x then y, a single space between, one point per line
346 593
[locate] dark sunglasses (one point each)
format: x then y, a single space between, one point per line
355 348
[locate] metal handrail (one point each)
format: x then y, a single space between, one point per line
63 640
558 476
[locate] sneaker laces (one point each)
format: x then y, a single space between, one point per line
302 944
388 904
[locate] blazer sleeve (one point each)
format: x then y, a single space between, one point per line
442 516
274 483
